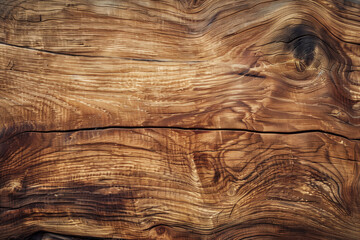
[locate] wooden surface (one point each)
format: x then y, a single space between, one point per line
180 119
141 183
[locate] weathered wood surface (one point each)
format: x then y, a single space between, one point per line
147 183
180 119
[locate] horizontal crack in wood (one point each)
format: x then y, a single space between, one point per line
185 129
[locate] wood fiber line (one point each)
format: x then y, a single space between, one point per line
180 184
279 66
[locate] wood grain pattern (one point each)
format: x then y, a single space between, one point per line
264 65
179 119
153 183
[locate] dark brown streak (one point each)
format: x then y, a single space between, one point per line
185 129
94 56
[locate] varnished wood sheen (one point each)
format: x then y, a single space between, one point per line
179 119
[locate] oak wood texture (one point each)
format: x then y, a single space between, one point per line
179 119
153 183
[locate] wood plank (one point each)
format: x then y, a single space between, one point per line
179 119
180 184
273 66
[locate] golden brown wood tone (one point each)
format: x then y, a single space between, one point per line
179 119
148 183
263 65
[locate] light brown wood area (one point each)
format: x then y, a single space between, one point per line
262 65
179 119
